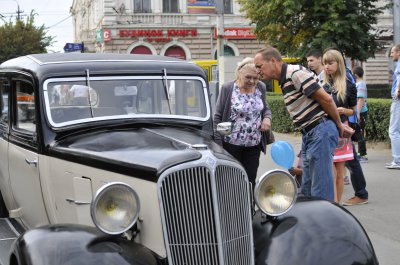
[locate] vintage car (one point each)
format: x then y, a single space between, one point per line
111 159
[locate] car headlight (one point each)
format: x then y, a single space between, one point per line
115 208
275 192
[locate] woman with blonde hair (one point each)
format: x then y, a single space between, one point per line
243 103
344 93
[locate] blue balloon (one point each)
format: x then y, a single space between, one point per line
282 154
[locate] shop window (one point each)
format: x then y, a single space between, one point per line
141 50
176 52
170 6
141 6
228 7
228 51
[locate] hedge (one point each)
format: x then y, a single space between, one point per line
376 127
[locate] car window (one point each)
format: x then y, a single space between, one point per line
76 101
4 91
25 102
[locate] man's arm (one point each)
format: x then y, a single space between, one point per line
329 106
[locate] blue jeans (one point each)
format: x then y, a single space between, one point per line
357 176
394 130
317 153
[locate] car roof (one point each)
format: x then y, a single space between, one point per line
76 64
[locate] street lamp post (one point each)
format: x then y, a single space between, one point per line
396 21
220 42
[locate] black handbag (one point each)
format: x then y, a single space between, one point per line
358 131
270 137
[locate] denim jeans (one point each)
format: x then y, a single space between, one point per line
317 151
394 129
357 176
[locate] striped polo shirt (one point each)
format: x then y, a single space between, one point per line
298 84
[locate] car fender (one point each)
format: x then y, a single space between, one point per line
313 232
75 245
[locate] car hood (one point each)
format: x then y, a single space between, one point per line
143 152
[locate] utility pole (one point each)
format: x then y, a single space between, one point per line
396 21
220 42
19 11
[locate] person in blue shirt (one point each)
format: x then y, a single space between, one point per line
394 125
361 111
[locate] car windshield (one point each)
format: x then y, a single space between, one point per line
75 100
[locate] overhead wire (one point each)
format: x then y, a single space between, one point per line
59 22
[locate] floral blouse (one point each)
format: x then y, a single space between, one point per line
246 118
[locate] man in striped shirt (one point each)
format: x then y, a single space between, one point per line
314 112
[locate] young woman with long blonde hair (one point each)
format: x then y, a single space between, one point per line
344 93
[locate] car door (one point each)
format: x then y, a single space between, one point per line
4 131
23 154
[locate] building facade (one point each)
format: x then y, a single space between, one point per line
185 29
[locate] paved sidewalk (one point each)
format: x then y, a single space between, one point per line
381 216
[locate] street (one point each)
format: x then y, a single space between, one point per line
381 215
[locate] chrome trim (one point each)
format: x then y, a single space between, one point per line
100 192
128 116
90 61
168 137
77 202
263 178
31 162
202 222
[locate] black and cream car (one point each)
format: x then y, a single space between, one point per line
110 159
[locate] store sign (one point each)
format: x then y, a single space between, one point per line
236 33
99 35
103 35
157 35
74 47
201 6
106 35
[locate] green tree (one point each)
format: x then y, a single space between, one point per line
22 38
296 26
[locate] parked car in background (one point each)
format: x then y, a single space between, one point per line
110 159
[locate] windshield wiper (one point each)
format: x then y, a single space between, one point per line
88 87
165 83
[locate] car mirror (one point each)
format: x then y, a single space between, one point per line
224 128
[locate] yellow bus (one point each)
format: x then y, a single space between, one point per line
211 68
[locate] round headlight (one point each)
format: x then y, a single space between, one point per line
275 192
115 208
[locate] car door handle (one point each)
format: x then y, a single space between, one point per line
77 202
31 162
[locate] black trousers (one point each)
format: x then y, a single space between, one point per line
249 157
357 176
362 147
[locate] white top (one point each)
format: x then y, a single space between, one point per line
79 91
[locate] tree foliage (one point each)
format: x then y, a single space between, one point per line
22 38
296 26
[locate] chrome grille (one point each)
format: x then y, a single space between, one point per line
207 217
